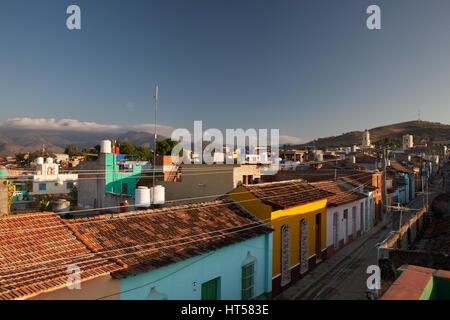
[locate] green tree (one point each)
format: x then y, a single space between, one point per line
164 147
20 159
72 150
36 154
143 153
127 148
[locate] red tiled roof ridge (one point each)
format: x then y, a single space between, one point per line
144 238
297 192
277 182
169 209
90 247
40 264
28 214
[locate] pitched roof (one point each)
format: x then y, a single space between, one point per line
154 238
35 252
399 167
342 195
358 182
285 194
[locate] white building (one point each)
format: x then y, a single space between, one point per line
408 142
48 180
348 215
366 139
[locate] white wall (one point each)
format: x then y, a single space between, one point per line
340 210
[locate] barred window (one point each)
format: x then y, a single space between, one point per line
285 255
248 281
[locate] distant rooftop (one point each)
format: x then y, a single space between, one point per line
285 194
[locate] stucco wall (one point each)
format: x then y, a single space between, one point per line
207 182
89 290
341 227
292 217
177 280
3 199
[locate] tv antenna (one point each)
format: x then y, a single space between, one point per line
154 143
418 115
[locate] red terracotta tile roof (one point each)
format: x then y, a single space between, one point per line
399 167
357 183
35 251
410 284
285 194
342 195
154 238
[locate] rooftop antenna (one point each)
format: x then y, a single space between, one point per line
154 146
418 115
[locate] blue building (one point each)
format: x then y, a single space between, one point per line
211 250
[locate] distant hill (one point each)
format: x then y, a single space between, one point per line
13 141
421 130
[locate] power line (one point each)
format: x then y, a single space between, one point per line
331 183
258 221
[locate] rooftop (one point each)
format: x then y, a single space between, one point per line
342 195
35 251
150 239
294 193
419 283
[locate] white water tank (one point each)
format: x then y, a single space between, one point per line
40 161
49 160
142 197
319 156
353 159
105 146
158 195
264 157
61 205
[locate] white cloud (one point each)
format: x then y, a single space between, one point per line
76 125
53 124
291 140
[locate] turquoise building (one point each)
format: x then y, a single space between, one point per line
120 180
217 275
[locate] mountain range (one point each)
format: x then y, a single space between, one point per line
14 141
421 130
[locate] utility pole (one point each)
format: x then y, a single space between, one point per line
426 196
335 172
384 186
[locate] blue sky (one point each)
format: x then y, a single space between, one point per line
310 68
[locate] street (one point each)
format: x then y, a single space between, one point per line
344 275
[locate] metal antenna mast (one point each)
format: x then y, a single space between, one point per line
154 143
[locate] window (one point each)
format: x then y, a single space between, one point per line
210 290
69 185
285 255
42 186
248 281
247 179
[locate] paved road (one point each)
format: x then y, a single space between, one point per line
347 280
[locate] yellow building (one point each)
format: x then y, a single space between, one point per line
297 212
